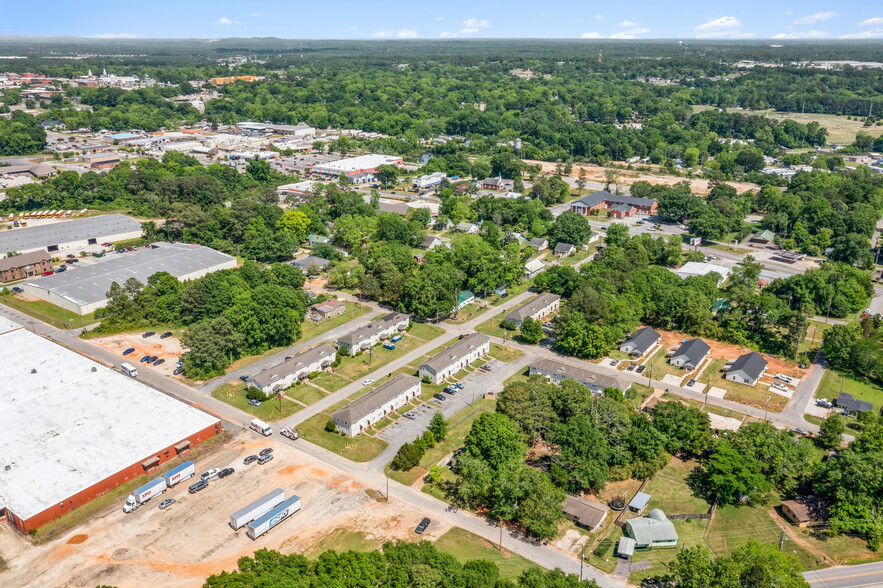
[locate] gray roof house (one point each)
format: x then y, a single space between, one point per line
544 304
747 369
429 241
304 263
690 354
585 513
564 249
539 244
453 359
641 342
371 408
465 227
654 530
366 336
852 406
294 368
558 371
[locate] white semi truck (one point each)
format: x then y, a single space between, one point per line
174 476
261 525
258 508
144 493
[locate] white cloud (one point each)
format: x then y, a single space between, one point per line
872 22
591 36
439 18
803 35
638 31
628 23
225 21
116 36
447 35
255 14
383 34
875 30
468 31
599 17
814 18
474 23
725 27
406 34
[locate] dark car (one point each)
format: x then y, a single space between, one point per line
226 472
178 370
159 361
422 526
640 369
166 335
149 334
60 269
17 290
129 350
440 397
243 378
145 358
201 485
250 459
450 390
690 383
266 451
74 260
152 359
264 459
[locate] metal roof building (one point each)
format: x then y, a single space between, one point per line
70 236
654 530
72 429
84 289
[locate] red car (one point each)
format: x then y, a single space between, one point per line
49 273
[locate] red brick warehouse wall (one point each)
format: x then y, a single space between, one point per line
109 483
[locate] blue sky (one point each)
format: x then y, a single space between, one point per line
396 19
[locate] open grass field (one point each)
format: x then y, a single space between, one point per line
466 546
492 327
577 257
353 311
467 313
233 393
330 381
504 354
425 331
49 313
832 383
305 394
660 366
812 338
359 449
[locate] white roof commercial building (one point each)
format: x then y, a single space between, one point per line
357 169
697 268
84 289
455 358
295 368
72 429
71 236
371 408
428 180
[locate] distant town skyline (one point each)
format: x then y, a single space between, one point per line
397 19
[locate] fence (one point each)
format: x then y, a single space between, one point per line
681 517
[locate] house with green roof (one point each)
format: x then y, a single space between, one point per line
654 530
465 299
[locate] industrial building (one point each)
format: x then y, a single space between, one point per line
72 236
357 169
72 429
84 290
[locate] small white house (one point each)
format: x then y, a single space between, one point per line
533 267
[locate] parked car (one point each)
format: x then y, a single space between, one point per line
784 378
60 269
167 503
17 290
615 362
250 459
211 474
145 358
440 397
631 366
159 361
450 390
266 451
49 273
640 369
254 402
367 382
264 459
243 378
74 260
149 334
485 368
690 383
129 350
194 488
288 433
410 415
166 335
178 370
799 431
457 385
422 526
152 359
226 472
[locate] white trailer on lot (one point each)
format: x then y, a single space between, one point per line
185 471
266 522
258 508
144 493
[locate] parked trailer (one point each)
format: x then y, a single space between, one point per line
144 493
261 525
174 476
256 509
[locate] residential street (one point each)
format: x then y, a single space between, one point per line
858 576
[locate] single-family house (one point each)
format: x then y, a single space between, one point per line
564 249
852 406
805 510
690 354
323 310
464 227
641 342
594 237
465 299
456 357
374 406
603 200
763 237
544 304
585 513
747 369
497 184
557 371
429 242
639 501
654 530
294 368
304 263
539 243
374 332
314 240
533 267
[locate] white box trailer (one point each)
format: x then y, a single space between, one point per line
261 427
176 475
261 525
144 493
256 509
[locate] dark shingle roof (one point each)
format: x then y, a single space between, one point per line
23 260
846 401
533 306
364 405
603 196
564 248
294 364
362 333
751 364
694 350
644 339
456 352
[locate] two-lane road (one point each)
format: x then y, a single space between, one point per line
859 576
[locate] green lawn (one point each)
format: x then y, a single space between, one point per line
305 394
356 367
660 366
233 393
49 313
812 338
832 382
425 331
330 381
504 354
670 492
521 376
467 313
492 327
359 449
495 300
637 394
353 311
343 539
578 257
755 396
466 546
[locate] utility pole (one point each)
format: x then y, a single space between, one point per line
766 410
782 539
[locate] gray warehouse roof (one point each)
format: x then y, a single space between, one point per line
456 351
96 227
89 284
362 333
362 407
532 307
293 364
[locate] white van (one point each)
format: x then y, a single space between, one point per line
261 427
129 369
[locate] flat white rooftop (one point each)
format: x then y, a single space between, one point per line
370 161
66 427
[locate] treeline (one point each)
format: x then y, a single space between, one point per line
21 134
226 314
856 348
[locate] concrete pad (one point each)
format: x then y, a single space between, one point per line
722 423
697 387
672 379
716 392
819 411
787 394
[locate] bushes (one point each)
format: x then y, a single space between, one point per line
313 375
330 427
410 454
253 393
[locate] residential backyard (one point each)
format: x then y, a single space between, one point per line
832 383
360 448
353 311
755 396
233 393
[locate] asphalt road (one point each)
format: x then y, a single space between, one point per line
858 576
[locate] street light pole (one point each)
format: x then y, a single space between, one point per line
766 410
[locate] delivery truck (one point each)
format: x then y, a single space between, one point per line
128 369
256 509
261 525
174 476
261 427
144 493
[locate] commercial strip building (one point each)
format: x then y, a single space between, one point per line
356 169
295 368
429 180
371 408
455 358
71 236
543 305
304 188
698 268
19 267
371 334
84 289
556 372
72 429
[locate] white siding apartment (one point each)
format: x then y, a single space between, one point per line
373 407
371 334
455 358
295 368
543 305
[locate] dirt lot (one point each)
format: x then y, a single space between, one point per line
192 539
168 349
